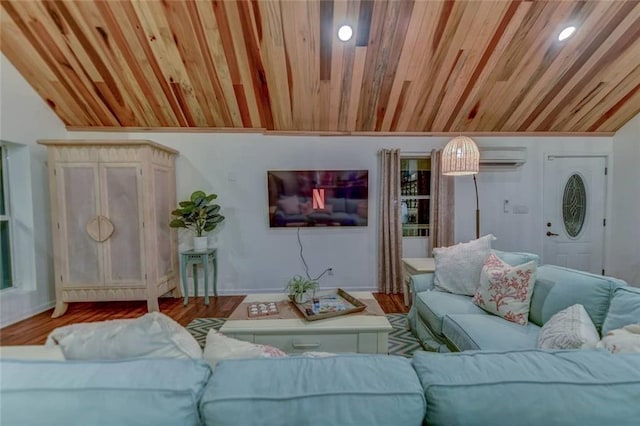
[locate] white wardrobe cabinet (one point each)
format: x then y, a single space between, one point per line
111 204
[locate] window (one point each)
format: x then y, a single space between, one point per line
574 205
415 184
6 274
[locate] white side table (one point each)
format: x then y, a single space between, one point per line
414 266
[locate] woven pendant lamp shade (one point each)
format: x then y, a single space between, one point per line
460 157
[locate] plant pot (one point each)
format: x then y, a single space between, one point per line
200 243
303 297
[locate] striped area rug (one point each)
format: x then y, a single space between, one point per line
401 341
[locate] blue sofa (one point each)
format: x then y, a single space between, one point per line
445 322
341 211
508 382
527 387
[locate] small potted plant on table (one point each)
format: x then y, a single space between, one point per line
199 216
300 289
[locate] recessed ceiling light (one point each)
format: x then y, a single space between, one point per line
345 32
566 33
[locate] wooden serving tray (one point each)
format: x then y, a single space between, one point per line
331 304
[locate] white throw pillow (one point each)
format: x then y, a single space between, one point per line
290 205
622 340
220 347
458 268
571 328
506 290
153 335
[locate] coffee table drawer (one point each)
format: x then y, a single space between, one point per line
304 342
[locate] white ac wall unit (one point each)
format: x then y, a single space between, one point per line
502 158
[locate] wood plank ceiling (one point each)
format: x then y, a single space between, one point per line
412 66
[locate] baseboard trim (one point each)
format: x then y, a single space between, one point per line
240 291
27 314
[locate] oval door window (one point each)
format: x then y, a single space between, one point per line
574 205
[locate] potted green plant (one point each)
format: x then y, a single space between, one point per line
301 289
198 215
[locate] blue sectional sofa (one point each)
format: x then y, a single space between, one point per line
469 388
445 322
508 382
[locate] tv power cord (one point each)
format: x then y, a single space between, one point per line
306 267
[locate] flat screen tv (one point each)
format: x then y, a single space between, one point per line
318 198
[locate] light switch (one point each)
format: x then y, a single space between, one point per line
520 209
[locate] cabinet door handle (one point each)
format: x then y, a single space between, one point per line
99 228
305 345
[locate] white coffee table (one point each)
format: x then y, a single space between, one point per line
366 332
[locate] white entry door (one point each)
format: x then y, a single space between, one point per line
574 212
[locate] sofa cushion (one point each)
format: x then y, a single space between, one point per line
102 393
338 204
457 268
289 204
571 328
352 205
505 290
516 258
530 388
342 390
153 335
624 309
427 337
558 288
434 305
469 332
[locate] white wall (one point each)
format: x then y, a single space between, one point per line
25 118
254 257
624 235
521 187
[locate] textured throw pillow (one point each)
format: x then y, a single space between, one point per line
506 290
571 328
457 268
622 340
220 347
289 205
153 335
305 208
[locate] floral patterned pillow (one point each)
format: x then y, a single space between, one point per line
506 290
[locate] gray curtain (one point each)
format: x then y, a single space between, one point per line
441 212
390 226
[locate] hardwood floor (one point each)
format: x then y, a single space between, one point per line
34 330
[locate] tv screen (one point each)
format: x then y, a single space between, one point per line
318 198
